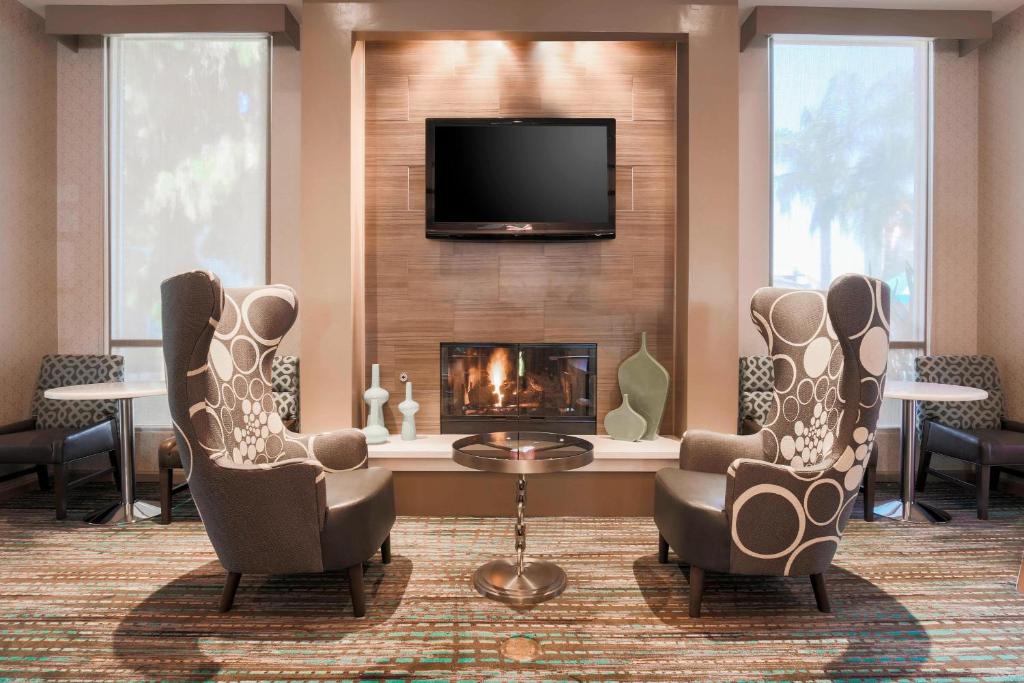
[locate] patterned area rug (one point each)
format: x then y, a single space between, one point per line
911 602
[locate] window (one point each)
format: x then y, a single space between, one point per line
850 173
187 127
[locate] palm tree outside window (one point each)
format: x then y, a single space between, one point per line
850 172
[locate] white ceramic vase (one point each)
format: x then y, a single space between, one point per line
408 408
376 396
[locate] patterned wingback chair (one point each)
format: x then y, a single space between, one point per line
776 502
977 432
273 501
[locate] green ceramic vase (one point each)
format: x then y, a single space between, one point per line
646 382
624 423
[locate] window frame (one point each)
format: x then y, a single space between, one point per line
110 163
924 201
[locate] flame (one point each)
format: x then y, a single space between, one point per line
497 370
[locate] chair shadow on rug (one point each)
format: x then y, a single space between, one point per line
177 632
880 634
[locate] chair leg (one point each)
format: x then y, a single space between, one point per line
869 491
355 580
984 482
43 475
227 598
925 462
662 550
385 550
115 464
166 491
696 590
60 490
820 592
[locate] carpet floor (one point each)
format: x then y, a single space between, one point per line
910 602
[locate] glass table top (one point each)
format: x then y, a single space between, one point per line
523 452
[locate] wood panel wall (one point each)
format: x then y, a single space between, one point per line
422 292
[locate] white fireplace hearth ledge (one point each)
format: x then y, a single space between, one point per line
433 453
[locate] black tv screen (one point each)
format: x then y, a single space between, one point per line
520 178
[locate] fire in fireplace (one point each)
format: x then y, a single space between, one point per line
508 387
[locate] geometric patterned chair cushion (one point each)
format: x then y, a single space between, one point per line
284 384
756 378
980 372
62 370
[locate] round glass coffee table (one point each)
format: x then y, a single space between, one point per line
524 580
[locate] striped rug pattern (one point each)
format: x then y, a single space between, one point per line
911 602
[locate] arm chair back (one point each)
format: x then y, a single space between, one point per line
756 390
284 379
63 370
260 495
829 354
980 372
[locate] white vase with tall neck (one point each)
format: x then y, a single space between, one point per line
376 396
408 408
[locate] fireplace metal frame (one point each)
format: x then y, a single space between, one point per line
476 424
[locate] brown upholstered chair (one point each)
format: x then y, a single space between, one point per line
775 503
976 432
272 501
59 433
756 395
284 380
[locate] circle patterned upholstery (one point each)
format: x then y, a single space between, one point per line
829 355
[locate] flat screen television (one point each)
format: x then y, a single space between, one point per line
516 178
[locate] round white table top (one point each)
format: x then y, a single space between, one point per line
106 391
932 391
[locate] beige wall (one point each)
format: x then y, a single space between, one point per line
28 212
1001 204
707 312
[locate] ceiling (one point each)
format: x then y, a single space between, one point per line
997 7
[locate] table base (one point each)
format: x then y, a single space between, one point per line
912 511
539 581
119 513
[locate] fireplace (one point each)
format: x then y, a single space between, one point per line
499 387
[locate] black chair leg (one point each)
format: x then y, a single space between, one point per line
166 491
43 475
115 464
820 592
869 490
227 598
924 462
696 590
662 550
984 481
385 550
60 490
355 580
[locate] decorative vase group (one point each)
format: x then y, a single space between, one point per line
376 396
643 382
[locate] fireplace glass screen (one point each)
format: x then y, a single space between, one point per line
504 387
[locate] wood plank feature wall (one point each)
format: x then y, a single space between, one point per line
422 292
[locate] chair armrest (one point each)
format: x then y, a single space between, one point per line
98 438
1008 425
778 529
19 426
713 452
343 449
